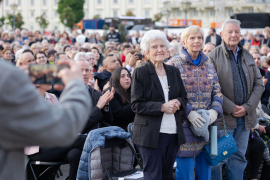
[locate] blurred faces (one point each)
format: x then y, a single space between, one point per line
247 46
7 45
231 35
41 58
7 55
172 51
92 60
157 50
264 50
257 59
208 48
96 53
26 59
35 50
126 51
85 67
125 79
67 49
194 42
111 28
112 63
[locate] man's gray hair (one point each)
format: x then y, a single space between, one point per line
230 21
81 56
152 35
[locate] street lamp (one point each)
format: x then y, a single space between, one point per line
186 5
14 8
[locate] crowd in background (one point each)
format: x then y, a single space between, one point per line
108 64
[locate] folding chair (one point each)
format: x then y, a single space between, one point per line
50 164
110 143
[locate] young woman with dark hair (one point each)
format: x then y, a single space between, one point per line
120 104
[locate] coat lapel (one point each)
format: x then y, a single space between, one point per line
155 79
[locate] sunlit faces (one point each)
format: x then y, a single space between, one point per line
86 70
194 42
91 60
26 59
231 34
96 53
125 79
41 58
208 48
172 51
112 63
157 50
7 55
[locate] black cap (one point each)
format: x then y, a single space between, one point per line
111 25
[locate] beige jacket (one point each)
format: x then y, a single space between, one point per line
220 59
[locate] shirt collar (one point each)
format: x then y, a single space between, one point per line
237 49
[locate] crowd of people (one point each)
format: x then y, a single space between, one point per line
172 88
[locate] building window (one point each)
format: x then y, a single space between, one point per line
99 12
55 14
7 13
32 2
146 13
178 13
55 28
212 12
115 1
85 14
195 12
32 28
55 2
98 1
32 13
230 12
7 3
146 1
250 10
19 2
130 1
44 2
115 13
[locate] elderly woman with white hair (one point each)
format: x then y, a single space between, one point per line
157 98
203 89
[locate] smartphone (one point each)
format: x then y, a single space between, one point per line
46 73
139 56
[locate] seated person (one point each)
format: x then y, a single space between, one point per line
100 110
120 104
110 63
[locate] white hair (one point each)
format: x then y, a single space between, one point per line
86 45
23 31
175 46
92 54
152 35
81 56
44 41
18 54
230 21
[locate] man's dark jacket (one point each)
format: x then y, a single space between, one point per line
218 39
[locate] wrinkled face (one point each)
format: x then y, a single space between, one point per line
208 48
194 42
85 67
157 50
96 53
112 64
247 46
231 34
257 59
125 79
7 55
264 51
253 50
41 59
172 51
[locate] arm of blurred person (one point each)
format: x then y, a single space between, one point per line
30 120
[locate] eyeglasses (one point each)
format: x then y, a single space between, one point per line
42 57
257 58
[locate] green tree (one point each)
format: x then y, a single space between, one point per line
2 21
122 31
96 16
76 7
42 21
18 20
68 17
130 13
158 16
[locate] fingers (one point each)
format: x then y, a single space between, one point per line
203 120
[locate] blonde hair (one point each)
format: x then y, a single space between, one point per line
35 45
191 30
267 29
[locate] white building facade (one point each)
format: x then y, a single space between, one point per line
205 10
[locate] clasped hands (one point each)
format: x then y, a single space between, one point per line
171 107
105 98
239 111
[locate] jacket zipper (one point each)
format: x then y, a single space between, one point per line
198 103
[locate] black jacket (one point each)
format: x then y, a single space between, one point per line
122 113
102 78
96 114
115 36
218 39
147 98
266 92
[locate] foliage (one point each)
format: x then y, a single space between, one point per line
68 17
18 20
130 13
42 21
2 21
122 31
158 16
96 16
76 10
